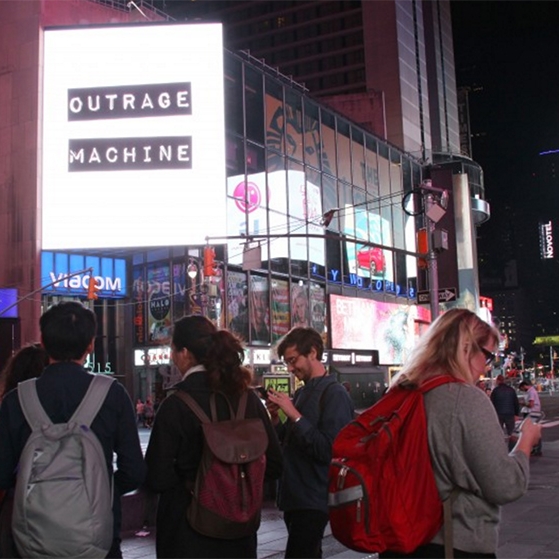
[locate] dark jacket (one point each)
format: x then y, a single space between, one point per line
505 400
61 387
307 445
172 457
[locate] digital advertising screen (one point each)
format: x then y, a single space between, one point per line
390 328
133 146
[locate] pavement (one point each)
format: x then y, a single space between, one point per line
528 530
529 526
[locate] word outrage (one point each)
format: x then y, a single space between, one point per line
131 101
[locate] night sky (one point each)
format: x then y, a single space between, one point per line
507 52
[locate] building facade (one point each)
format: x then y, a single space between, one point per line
131 169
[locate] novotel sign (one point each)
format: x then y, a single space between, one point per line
57 269
546 240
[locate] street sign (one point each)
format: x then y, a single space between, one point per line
446 294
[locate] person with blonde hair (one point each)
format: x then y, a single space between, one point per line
471 463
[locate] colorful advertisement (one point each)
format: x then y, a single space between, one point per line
390 328
131 128
237 304
299 306
159 304
280 309
259 310
318 308
366 260
138 296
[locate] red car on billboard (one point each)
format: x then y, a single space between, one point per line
372 259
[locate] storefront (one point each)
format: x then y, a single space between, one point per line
359 372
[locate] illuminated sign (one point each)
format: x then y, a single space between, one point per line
133 146
8 298
153 356
56 267
546 240
365 324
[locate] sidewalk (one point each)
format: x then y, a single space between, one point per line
529 526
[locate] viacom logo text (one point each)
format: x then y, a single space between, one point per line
125 102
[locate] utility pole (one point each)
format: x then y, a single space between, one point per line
432 266
435 203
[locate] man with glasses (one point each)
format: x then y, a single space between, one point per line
316 414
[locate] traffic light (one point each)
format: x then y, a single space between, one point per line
422 247
209 261
92 289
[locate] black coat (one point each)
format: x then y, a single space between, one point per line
172 457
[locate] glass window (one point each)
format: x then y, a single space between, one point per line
372 177
293 125
313 148
328 133
330 201
254 105
255 160
233 95
346 212
357 157
234 152
274 116
344 159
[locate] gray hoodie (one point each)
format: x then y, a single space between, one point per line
468 452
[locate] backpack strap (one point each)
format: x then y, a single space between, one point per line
201 415
92 401
31 406
193 405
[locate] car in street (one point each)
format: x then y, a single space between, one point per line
372 259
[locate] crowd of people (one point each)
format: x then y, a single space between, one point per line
470 461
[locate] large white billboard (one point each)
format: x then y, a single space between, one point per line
133 148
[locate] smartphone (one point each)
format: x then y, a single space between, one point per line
263 392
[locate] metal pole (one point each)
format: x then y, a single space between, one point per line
432 259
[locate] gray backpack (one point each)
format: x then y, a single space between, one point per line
63 494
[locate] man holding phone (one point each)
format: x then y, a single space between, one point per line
316 414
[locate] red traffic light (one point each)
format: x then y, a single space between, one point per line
93 289
209 261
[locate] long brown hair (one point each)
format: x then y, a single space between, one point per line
26 363
220 351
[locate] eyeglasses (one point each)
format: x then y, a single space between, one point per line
489 356
290 361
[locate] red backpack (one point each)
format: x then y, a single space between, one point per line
382 493
228 491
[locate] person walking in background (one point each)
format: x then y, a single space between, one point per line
139 412
68 334
532 407
506 404
149 413
210 361
465 439
315 416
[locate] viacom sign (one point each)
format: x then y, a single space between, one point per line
546 240
57 266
